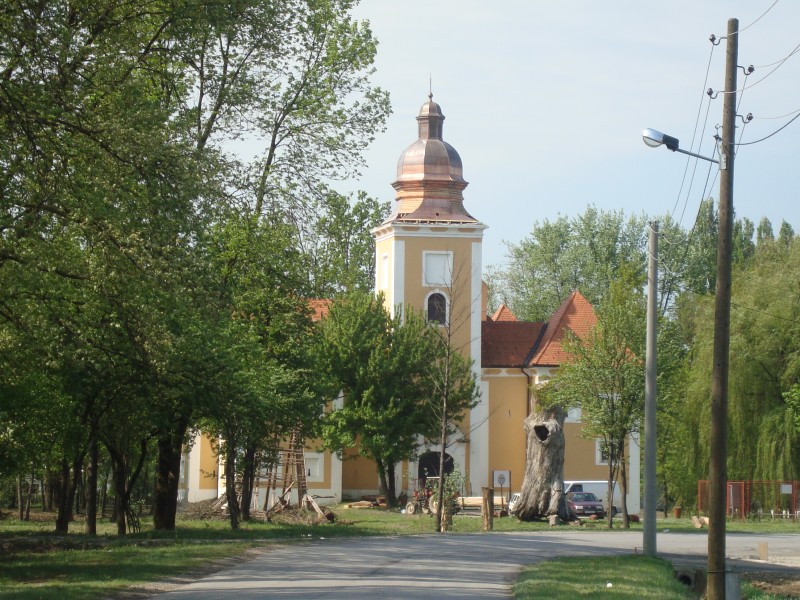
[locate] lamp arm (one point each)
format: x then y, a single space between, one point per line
716 162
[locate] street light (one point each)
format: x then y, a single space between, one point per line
718 475
655 138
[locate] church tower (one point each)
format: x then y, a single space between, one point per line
429 255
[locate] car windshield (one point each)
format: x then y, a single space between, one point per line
584 497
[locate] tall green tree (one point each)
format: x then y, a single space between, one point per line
605 377
381 364
582 253
765 367
340 247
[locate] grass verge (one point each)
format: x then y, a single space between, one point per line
105 572
36 563
609 577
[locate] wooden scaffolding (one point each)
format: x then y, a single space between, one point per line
286 483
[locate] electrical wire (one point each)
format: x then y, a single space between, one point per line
691 146
779 64
779 117
784 126
764 14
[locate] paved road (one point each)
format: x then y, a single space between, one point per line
467 566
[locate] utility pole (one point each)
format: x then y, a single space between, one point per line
718 474
650 488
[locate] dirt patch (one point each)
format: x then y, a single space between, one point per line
780 584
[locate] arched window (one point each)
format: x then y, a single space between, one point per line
437 308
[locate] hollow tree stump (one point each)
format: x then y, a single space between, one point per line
542 494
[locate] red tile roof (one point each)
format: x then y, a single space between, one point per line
575 314
503 313
508 343
512 343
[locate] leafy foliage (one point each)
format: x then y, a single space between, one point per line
605 377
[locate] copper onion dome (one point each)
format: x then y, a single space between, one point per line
430 177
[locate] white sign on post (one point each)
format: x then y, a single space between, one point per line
501 479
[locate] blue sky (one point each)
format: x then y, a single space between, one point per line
545 103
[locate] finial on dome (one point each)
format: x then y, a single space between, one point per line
430 120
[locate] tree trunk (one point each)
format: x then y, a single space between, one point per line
104 493
611 480
391 493
29 497
168 466
542 492
20 513
386 483
90 527
230 487
64 491
120 496
248 480
623 484
124 483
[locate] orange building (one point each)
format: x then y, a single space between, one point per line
428 255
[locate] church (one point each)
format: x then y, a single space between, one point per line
428 255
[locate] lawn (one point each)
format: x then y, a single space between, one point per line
35 563
610 577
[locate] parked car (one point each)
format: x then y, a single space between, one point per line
585 504
599 489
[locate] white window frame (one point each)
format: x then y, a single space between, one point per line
432 277
315 467
446 306
598 453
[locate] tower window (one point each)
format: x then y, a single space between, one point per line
437 268
437 308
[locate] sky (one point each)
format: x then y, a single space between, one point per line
546 101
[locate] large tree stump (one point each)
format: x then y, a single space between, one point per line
542 494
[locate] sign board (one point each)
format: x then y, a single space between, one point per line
501 479
786 488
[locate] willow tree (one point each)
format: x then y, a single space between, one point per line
763 444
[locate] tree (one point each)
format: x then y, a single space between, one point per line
381 365
605 378
542 492
583 253
786 234
340 246
765 365
743 246
764 232
114 115
454 387
701 256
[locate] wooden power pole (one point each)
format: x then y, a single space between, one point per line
718 474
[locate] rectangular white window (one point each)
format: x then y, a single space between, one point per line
600 455
437 269
313 466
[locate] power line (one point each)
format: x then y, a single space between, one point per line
764 14
784 126
691 146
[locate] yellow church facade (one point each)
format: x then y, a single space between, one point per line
428 256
